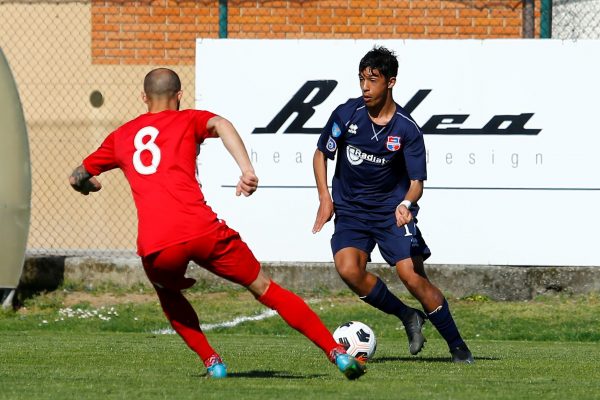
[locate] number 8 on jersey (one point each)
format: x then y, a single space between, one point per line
140 146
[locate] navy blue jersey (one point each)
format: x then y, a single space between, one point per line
375 164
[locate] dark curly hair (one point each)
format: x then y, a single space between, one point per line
381 59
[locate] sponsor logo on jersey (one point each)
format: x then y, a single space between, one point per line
356 156
335 130
393 143
331 145
353 128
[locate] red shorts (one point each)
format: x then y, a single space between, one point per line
222 252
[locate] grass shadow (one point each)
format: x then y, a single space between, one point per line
381 360
269 374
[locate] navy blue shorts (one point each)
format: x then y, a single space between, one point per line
395 243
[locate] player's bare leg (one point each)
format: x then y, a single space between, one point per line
298 315
411 272
351 264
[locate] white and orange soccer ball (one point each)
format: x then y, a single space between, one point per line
358 339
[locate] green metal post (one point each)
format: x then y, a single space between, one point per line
222 19
546 19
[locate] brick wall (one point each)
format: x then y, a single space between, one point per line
164 31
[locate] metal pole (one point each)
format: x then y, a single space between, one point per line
546 19
528 19
6 295
222 19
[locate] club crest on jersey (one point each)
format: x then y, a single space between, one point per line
393 143
335 130
331 145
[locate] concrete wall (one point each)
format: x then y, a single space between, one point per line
495 282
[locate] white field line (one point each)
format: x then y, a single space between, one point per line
228 324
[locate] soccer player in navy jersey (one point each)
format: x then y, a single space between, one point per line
157 154
378 180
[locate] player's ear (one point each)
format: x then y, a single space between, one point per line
179 95
144 98
391 82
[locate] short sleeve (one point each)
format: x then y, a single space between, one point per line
331 135
103 159
201 118
414 153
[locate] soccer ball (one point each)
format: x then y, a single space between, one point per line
358 339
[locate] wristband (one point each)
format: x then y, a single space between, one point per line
405 203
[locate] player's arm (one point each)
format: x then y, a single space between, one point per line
221 127
416 167
326 149
325 211
414 193
83 179
83 182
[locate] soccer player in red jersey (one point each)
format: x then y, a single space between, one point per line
157 153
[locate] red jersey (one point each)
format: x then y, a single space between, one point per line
157 153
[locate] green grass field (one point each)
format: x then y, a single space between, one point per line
73 344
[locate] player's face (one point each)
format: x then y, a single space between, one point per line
374 87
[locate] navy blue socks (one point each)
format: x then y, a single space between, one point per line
442 319
381 298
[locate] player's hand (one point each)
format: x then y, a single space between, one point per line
83 182
403 215
324 214
87 186
247 185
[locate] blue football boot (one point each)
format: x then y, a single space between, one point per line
348 365
218 370
215 368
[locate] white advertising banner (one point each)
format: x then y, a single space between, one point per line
510 129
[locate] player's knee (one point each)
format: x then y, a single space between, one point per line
260 285
352 275
410 279
413 285
157 285
162 286
346 271
421 288
168 280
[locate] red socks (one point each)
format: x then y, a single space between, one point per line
299 316
184 321
288 305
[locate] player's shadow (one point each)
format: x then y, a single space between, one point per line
423 359
270 374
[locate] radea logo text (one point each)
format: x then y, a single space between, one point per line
439 124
